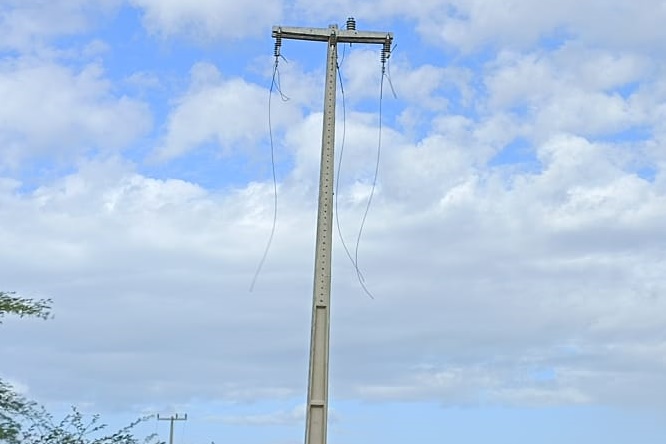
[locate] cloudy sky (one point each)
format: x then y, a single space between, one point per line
515 245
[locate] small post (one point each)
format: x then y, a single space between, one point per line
172 418
317 401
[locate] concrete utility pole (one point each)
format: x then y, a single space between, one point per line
317 402
172 418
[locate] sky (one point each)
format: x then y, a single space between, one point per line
514 247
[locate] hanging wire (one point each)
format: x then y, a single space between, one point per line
385 55
372 189
275 85
344 54
359 274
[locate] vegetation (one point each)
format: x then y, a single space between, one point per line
10 304
25 422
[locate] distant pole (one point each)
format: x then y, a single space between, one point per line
317 402
172 418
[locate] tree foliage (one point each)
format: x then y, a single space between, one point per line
12 407
32 424
10 304
25 422
76 428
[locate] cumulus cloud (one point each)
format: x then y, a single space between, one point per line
226 112
423 85
281 417
29 24
470 25
55 111
209 19
132 226
495 281
542 274
563 92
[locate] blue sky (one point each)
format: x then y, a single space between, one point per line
515 244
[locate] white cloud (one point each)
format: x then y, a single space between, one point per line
422 86
369 12
29 24
493 283
210 19
108 223
468 25
590 93
281 417
54 111
512 274
227 112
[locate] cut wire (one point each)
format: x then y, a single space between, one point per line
372 189
385 56
275 84
359 274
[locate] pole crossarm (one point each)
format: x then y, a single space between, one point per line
324 35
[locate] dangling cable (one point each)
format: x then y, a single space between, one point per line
372 191
359 274
275 84
385 55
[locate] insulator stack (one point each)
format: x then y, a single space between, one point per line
351 24
278 44
386 51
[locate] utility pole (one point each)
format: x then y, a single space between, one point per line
172 418
317 401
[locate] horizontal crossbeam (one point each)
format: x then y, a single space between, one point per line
324 34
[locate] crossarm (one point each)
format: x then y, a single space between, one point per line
324 34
